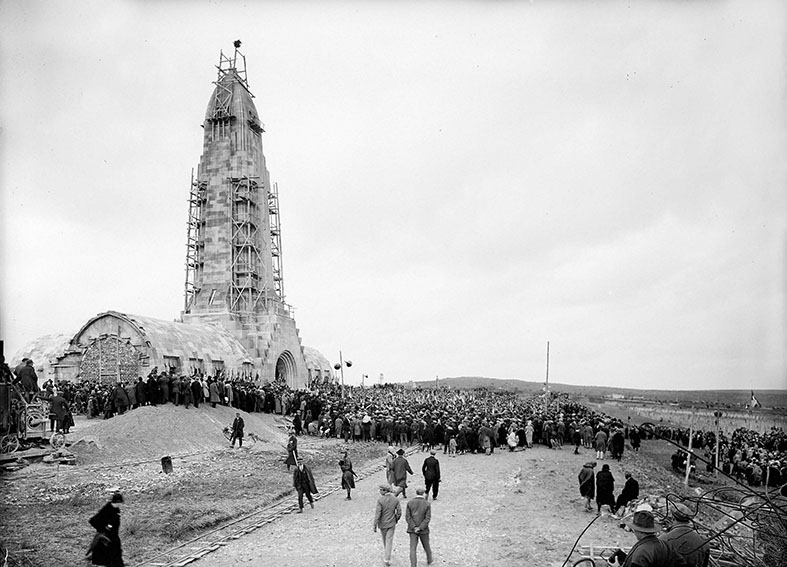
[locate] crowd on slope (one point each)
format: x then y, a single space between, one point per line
757 458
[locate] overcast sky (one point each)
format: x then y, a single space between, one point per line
459 182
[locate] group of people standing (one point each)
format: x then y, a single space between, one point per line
602 487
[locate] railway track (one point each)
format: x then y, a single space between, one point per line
215 539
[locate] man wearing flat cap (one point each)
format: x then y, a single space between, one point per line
649 551
386 515
684 540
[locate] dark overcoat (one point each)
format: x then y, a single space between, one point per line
304 480
107 522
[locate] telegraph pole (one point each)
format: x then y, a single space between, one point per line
688 456
717 415
547 380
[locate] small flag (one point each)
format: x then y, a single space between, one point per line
754 402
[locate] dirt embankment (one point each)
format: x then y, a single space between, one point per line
169 430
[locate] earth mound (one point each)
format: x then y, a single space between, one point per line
151 432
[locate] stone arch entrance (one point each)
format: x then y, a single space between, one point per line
286 370
109 360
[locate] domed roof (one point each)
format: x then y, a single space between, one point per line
315 359
43 350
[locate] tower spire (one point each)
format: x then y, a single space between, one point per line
233 259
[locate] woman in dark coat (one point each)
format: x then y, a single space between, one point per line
106 549
348 474
605 486
587 484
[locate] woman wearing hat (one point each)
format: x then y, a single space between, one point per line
348 474
605 487
587 484
106 549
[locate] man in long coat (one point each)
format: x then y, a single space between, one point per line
214 393
142 394
431 472
196 391
617 444
400 469
163 388
237 431
601 443
630 492
120 398
28 378
59 408
303 481
131 393
386 514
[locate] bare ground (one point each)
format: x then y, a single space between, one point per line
519 508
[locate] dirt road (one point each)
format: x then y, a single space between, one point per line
507 509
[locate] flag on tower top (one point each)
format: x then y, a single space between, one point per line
754 402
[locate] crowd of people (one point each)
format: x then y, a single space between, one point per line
758 459
459 422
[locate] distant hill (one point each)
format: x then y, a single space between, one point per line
770 399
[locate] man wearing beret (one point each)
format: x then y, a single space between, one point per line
386 515
684 540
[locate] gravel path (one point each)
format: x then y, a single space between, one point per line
508 509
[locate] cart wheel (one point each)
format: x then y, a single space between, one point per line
9 444
58 440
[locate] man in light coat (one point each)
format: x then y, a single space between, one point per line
386 515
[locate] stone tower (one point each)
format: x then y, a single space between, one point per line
233 259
